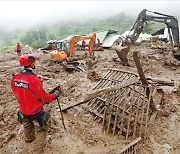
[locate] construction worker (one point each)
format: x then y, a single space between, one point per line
18 49
83 45
31 97
98 42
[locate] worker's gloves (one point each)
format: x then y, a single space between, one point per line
56 93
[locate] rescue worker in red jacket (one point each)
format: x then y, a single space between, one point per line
99 42
18 49
83 45
31 97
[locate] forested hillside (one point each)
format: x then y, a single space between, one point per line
38 35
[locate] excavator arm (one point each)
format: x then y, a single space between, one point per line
66 48
170 21
76 39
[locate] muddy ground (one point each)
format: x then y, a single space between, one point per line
83 134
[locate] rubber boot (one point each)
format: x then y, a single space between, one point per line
29 130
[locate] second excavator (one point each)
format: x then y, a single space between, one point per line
171 23
65 48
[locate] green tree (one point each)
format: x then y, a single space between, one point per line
51 36
37 44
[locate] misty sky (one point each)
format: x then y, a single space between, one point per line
17 14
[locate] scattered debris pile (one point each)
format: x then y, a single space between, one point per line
122 111
119 105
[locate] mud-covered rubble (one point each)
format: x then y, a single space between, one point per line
83 134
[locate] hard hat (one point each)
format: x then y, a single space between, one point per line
27 59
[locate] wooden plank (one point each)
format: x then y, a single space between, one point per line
123 113
130 112
136 114
139 68
143 79
109 119
112 88
160 82
147 111
102 81
125 71
133 143
142 113
116 115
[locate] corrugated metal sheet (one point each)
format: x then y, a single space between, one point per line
63 40
101 36
50 41
109 40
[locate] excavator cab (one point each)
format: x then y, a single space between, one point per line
63 46
62 50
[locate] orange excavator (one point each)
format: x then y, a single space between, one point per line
66 48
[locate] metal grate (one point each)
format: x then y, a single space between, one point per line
114 77
124 112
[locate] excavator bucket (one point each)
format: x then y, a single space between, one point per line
122 52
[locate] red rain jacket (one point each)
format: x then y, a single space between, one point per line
29 92
18 47
83 43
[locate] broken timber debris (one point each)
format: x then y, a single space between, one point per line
143 79
131 148
124 111
102 92
139 68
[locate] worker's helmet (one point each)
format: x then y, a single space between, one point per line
27 60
